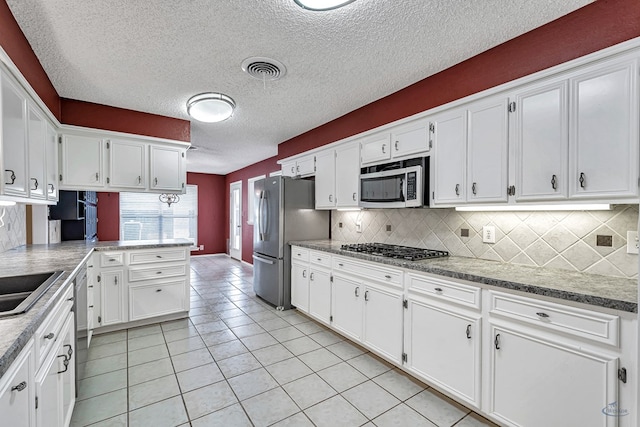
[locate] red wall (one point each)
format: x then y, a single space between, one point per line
15 44
594 27
99 116
211 212
108 216
261 168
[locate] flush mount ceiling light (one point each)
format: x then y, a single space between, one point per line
210 107
322 4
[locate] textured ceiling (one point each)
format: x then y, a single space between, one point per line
152 56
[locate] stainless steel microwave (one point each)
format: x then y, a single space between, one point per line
400 184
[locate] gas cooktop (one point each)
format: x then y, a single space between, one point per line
394 251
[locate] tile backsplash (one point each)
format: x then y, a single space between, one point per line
554 239
13 227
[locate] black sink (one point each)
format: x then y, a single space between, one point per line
19 293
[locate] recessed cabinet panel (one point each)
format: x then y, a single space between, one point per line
306 166
383 321
14 139
320 294
411 139
156 300
17 391
347 307
37 166
347 176
167 169
604 132
112 286
326 180
375 148
51 149
82 162
450 157
127 160
487 151
300 286
541 143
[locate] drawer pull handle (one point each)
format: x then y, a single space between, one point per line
52 189
299 254
341 265
66 363
70 299
468 332
319 259
158 256
496 342
90 306
357 291
366 295
542 314
70 351
304 274
12 177
20 386
438 289
49 336
158 290
35 183
387 276
158 272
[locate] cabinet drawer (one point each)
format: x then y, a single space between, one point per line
158 255
444 290
111 259
159 272
368 270
156 300
320 258
570 320
49 331
299 254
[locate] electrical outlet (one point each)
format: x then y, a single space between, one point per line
632 242
359 226
202 247
488 234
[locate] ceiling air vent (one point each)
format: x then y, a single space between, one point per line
264 68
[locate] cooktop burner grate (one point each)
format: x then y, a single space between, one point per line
394 251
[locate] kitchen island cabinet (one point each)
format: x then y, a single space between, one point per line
17 390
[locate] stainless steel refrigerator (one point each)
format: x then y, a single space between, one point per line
285 211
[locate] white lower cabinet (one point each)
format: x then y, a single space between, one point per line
346 304
300 286
17 390
152 300
383 321
320 294
539 382
112 297
443 346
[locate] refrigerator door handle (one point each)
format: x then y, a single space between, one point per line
260 233
265 260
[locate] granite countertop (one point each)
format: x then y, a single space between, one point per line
602 291
15 331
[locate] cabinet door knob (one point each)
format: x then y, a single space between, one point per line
304 274
12 177
97 176
158 290
473 188
52 189
366 295
354 197
139 179
387 276
468 332
155 181
554 182
331 197
357 291
583 180
158 272
49 336
35 183
496 342
158 256
438 289
311 277
396 145
542 315
383 147
20 386
457 189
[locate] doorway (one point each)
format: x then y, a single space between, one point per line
235 220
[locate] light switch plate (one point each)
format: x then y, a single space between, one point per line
488 234
632 242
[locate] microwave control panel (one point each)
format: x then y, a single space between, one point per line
412 186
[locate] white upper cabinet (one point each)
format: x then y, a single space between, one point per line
603 134
51 150
302 167
540 138
487 150
37 131
347 175
450 162
410 139
127 164
168 166
375 148
14 139
82 162
326 179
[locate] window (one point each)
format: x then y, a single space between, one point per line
144 217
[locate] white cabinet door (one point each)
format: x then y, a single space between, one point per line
347 306
325 180
82 162
306 166
347 177
448 351
156 299
49 389
410 139
17 391
450 163
289 169
604 132
300 286
375 149
127 164
112 298
51 154
383 321
68 371
168 171
36 135
320 294
14 139
534 382
541 142
487 150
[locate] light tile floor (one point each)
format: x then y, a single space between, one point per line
236 361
